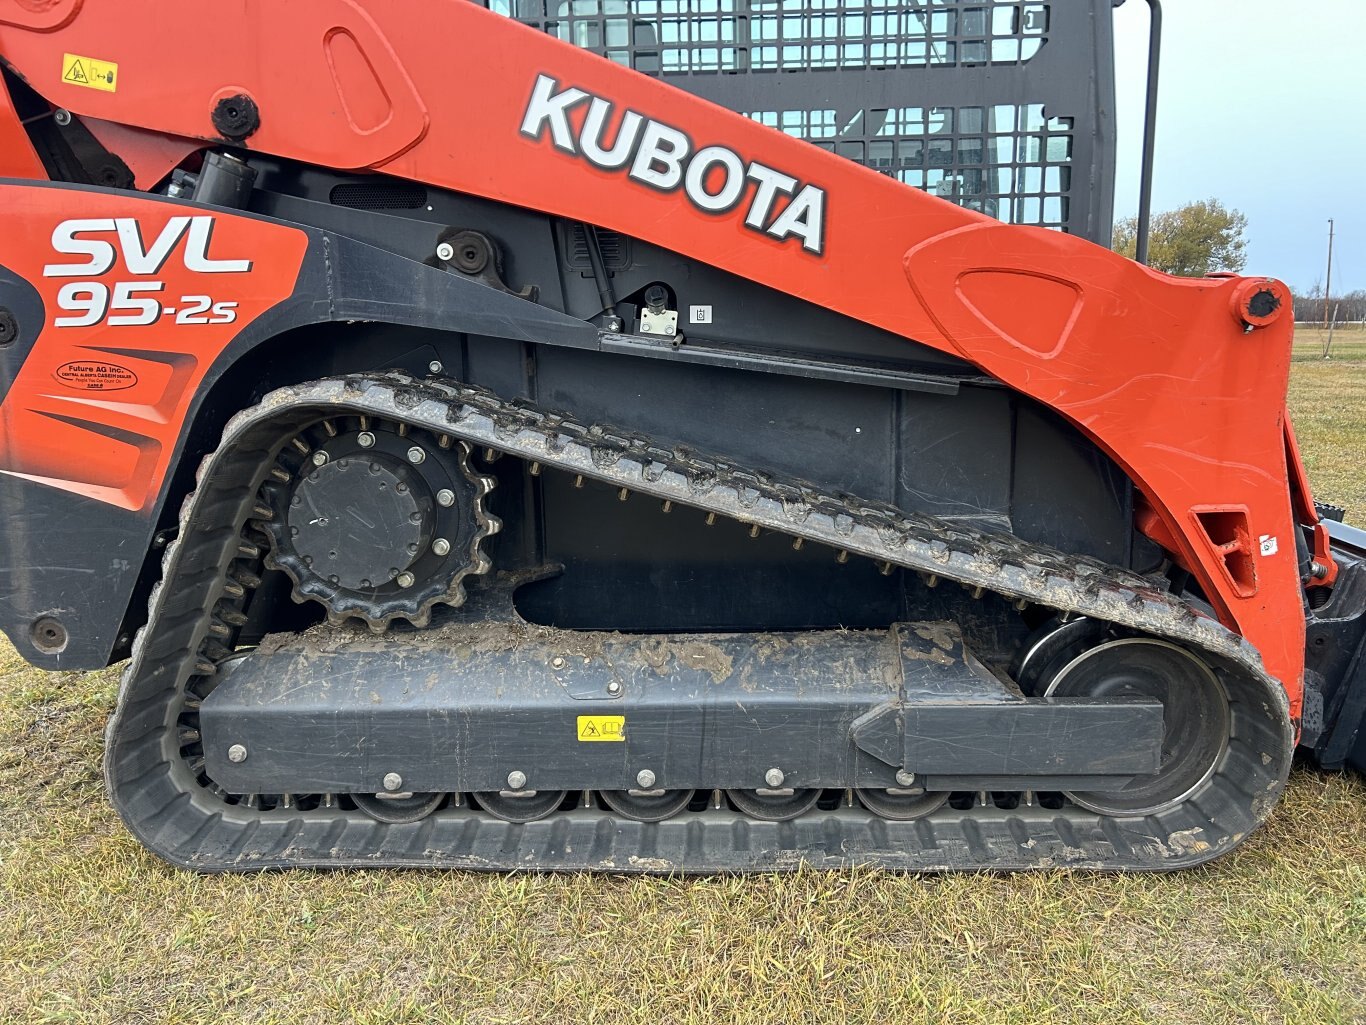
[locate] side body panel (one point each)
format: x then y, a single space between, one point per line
1160 373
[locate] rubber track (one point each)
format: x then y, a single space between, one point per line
208 573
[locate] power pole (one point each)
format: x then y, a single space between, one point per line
1328 284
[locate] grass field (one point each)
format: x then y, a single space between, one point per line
92 929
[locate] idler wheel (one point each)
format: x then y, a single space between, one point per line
1196 718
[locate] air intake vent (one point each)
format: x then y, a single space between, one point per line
616 249
380 196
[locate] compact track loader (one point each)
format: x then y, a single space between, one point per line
495 454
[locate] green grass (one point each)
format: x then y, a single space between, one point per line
93 929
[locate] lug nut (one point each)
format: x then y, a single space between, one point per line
320 458
441 546
445 252
416 455
404 580
445 498
774 778
365 439
516 780
237 754
645 779
904 778
392 781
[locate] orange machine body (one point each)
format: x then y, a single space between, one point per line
1181 382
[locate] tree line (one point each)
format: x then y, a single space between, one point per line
1345 308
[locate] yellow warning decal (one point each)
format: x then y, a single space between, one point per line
602 727
92 74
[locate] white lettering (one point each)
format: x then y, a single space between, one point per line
659 161
714 178
64 240
770 183
731 189
197 251
804 218
149 261
547 107
596 123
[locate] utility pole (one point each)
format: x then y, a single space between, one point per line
1328 284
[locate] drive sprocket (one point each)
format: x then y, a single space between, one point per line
376 521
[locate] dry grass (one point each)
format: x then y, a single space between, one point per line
1328 400
92 929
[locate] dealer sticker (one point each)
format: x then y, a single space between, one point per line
93 375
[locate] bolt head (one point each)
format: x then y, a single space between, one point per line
614 687
557 662
445 251
365 439
392 781
441 546
516 780
445 498
320 458
435 366
405 580
62 116
645 779
904 778
237 754
774 778
416 455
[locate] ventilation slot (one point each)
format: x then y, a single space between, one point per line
616 250
380 196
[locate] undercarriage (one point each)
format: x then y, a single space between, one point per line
1134 733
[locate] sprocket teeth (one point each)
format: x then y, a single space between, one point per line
415 603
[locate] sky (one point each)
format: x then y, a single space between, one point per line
1265 113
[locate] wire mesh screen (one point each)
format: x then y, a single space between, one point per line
1003 106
